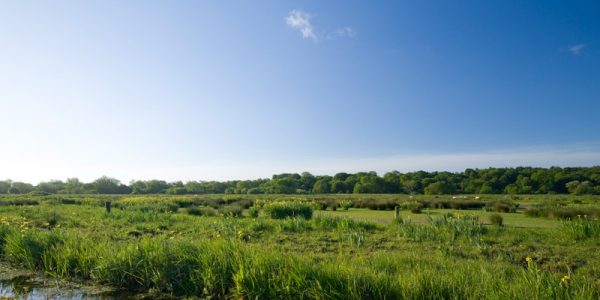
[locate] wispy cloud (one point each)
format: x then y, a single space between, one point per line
345 32
576 49
300 20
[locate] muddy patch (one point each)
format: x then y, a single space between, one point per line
22 284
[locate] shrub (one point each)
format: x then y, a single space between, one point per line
562 212
19 202
281 210
496 219
452 204
38 193
253 212
333 206
345 204
194 211
69 201
208 211
415 207
232 210
322 205
502 206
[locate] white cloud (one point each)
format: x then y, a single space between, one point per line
345 32
301 21
576 49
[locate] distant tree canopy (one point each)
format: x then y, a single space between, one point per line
522 180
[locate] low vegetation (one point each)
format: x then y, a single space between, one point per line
224 246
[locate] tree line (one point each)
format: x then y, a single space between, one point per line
521 180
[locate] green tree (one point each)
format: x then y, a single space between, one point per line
322 186
284 185
108 185
440 188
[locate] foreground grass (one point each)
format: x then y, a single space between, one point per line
354 254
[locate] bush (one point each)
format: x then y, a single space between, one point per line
208 211
232 210
563 212
194 211
38 193
378 204
345 204
415 207
201 211
253 212
502 206
288 209
452 204
496 219
19 202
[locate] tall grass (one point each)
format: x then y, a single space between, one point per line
582 227
229 269
288 209
445 228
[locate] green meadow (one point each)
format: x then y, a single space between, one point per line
311 246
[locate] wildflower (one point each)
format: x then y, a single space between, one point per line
565 280
528 259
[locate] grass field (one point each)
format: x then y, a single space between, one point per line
387 217
239 247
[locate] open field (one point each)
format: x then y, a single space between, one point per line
344 246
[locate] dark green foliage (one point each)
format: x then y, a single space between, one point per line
19 202
194 211
521 180
563 212
505 206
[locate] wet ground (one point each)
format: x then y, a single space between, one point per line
22 284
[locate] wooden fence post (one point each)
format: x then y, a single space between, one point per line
107 205
396 212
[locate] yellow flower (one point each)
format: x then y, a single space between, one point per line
565 279
528 259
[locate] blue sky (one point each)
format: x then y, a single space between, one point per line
199 90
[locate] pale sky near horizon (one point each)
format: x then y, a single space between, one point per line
199 90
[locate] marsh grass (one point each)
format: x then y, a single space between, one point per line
582 227
288 209
450 256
